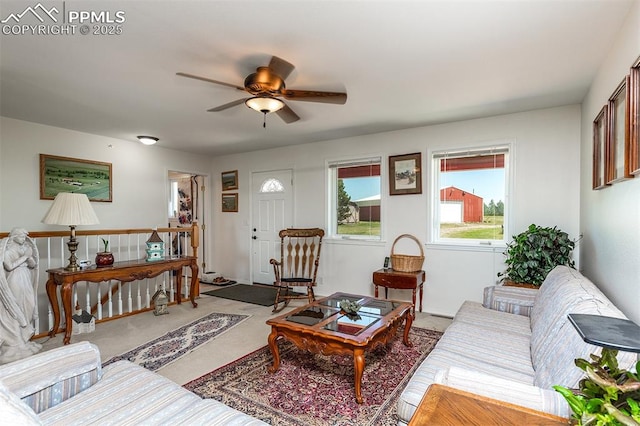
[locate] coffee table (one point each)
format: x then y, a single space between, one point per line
321 327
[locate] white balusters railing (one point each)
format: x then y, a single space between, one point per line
110 299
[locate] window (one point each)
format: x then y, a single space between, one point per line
354 198
271 185
470 196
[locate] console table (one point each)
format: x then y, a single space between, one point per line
442 405
388 278
126 271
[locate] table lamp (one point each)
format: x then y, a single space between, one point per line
71 210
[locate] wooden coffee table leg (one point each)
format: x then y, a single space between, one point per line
358 364
407 327
273 345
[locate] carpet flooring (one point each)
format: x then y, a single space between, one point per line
256 294
175 344
318 390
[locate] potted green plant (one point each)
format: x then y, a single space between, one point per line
104 258
607 395
532 254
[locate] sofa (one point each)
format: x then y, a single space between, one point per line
516 345
68 386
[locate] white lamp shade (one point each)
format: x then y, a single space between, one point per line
264 104
70 210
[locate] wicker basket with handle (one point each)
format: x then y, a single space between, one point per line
405 262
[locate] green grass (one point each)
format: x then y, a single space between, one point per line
490 229
360 228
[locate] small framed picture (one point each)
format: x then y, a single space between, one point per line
230 202
634 152
600 149
619 143
230 180
405 175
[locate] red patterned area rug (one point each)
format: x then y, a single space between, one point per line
316 389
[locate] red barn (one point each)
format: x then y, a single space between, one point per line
459 206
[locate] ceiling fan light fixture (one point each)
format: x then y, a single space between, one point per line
148 140
264 104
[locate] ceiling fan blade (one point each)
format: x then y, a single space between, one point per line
182 74
287 115
281 67
315 96
227 106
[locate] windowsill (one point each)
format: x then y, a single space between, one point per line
493 247
353 241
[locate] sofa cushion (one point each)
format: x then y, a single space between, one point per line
555 343
15 412
128 394
475 313
562 290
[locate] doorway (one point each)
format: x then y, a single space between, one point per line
186 204
271 211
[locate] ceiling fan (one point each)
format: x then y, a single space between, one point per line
266 86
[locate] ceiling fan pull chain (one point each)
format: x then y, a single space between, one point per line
264 122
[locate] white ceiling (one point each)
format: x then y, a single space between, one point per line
403 64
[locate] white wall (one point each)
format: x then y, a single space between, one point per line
547 144
610 218
140 191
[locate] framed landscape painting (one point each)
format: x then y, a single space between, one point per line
229 202
64 174
229 180
404 174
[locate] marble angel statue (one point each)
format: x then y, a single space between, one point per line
18 293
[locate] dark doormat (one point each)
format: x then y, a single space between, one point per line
256 294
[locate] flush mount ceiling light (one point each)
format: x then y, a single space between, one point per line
148 140
264 104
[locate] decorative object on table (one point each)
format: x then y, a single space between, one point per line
404 262
350 308
71 210
83 322
607 395
105 257
155 247
160 303
229 180
18 291
64 174
230 203
532 254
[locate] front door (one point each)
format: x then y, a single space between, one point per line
272 210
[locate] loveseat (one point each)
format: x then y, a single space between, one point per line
516 345
68 386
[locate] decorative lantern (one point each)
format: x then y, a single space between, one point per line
155 247
160 303
83 322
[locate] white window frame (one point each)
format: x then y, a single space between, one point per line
332 191
434 197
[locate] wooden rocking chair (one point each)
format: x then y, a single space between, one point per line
298 264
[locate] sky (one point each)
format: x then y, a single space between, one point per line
488 184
